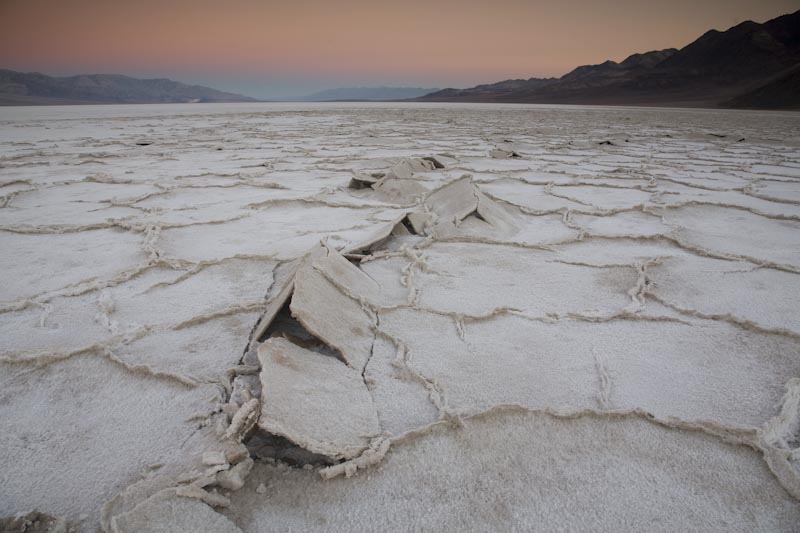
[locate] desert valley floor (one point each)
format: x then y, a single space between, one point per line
353 317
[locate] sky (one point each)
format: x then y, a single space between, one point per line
274 49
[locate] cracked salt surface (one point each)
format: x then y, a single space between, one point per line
268 316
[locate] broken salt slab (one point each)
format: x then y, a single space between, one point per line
315 401
453 202
347 276
399 190
165 512
379 237
405 168
460 208
281 292
501 153
330 314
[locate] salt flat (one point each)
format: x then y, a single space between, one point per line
366 317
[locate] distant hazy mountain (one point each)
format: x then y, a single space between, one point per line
750 65
19 88
367 93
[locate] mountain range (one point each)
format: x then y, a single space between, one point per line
20 88
750 65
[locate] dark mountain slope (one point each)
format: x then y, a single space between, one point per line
782 93
719 68
33 88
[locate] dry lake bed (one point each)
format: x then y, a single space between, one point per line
361 317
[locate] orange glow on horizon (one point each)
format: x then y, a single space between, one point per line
440 41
